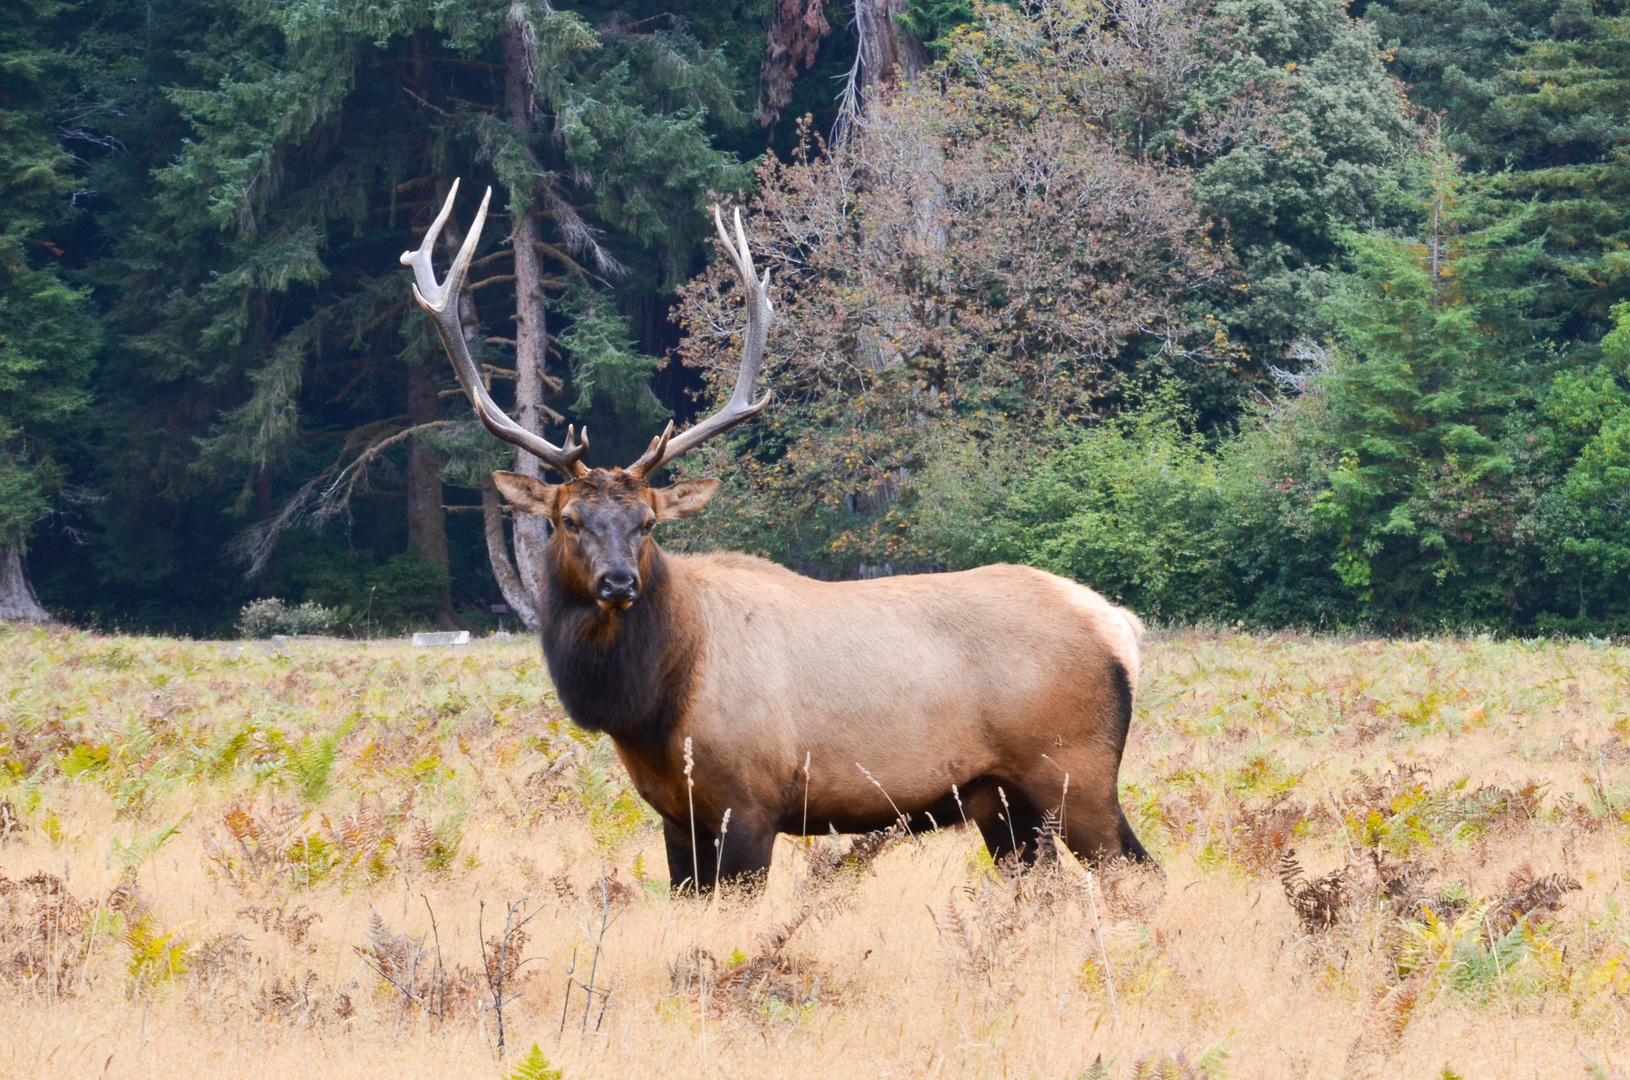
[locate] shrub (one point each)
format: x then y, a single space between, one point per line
263 618
1133 508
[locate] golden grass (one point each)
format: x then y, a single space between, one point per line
239 841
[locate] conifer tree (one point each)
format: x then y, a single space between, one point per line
1424 493
48 333
320 138
1584 530
1561 124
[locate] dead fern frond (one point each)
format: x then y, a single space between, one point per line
1527 896
773 939
1047 839
394 956
828 861
254 853
279 1002
1162 1066
767 984
1318 902
865 850
1131 890
42 940
1402 884
564 889
1257 834
824 860
956 937
1387 1015
505 954
693 970
298 1001
294 926
222 957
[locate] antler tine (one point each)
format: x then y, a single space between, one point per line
653 453
746 253
741 406
440 302
424 272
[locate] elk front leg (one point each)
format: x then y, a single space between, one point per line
743 852
688 867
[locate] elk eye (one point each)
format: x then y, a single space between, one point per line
571 524
648 524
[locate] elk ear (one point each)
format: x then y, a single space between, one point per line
527 495
683 499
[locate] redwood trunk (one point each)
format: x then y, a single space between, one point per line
426 520
265 508
889 53
531 319
17 599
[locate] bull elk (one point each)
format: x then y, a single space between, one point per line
747 700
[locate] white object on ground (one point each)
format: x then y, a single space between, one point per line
443 637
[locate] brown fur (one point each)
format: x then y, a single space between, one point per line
1001 681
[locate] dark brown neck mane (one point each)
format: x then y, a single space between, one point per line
626 673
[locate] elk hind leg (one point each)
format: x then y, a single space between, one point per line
1094 826
1007 818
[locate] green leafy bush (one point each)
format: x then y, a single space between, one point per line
1134 508
263 618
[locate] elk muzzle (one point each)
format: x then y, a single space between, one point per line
618 584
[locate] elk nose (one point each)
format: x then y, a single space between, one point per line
619 585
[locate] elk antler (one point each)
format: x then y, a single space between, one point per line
741 406
440 302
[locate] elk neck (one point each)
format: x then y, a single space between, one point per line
626 673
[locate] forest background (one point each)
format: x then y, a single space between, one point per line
1283 312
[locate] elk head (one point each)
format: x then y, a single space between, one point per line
602 519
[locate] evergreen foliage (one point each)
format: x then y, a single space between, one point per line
1439 350
48 332
1186 300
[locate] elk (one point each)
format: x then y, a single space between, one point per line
746 700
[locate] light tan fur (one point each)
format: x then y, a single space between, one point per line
923 682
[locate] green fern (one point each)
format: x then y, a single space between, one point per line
314 856
1596 1070
154 957
312 762
615 813
534 1067
1476 966
449 835
140 849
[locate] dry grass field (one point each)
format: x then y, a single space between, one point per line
219 859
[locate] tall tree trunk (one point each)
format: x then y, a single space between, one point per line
426 520
531 319
265 510
889 53
17 599
521 602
